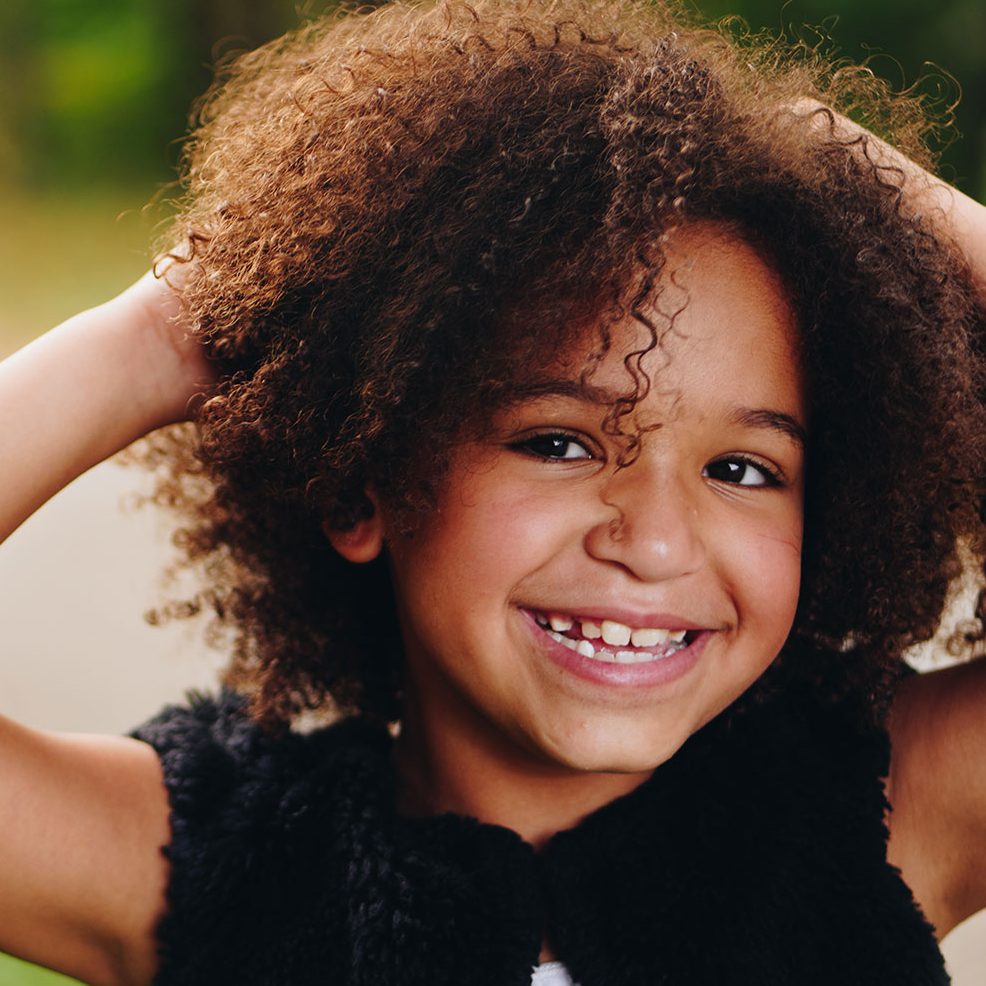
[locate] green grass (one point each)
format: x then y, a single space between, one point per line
14 972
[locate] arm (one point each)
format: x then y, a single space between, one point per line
82 879
958 217
937 782
81 876
89 388
937 787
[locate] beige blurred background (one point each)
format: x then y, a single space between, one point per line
98 91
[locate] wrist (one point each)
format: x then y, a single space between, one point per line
163 360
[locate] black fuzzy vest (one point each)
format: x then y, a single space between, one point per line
756 855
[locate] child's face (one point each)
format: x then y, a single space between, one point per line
702 532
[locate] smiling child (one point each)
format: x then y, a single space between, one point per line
571 406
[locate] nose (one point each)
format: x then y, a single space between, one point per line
654 527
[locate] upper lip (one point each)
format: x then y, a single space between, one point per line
635 618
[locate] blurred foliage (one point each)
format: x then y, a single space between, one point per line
938 48
98 91
97 94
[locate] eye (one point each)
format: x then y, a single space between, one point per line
740 471
553 446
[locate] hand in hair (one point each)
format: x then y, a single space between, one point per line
953 214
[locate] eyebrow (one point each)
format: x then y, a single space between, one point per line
762 417
581 390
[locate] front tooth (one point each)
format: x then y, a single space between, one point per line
560 623
586 649
648 637
678 636
617 634
591 631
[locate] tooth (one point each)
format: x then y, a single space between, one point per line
648 637
560 623
678 636
617 634
540 619
591 631
626 657
605 655
586 649
567 641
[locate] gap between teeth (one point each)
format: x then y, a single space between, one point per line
615 634
587 649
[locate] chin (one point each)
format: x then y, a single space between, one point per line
612 754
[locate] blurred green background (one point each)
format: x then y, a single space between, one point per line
96 96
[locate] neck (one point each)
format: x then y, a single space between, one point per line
447 760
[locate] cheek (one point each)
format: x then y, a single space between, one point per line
478 546
510 530
769 559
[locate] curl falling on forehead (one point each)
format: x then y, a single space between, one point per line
613 355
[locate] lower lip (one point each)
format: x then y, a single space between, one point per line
646 674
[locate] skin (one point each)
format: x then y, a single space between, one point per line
525 524
82 880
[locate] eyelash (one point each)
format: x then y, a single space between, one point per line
526 446
772 477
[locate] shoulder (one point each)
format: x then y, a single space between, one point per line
215 757
937 791
259 823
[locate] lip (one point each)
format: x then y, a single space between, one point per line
650 674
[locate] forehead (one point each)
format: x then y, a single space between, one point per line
717 330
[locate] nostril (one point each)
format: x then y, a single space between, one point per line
616 528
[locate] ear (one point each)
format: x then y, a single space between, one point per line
363 541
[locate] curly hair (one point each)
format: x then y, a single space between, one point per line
394 215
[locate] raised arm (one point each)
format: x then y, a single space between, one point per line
90 387
937 783
957 216
81 877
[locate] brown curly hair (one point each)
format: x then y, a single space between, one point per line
395 215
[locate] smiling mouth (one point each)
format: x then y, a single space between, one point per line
611 642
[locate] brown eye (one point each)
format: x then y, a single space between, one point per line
739 471
555 446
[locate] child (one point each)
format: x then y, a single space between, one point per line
588 418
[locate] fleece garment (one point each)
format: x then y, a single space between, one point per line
756 855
